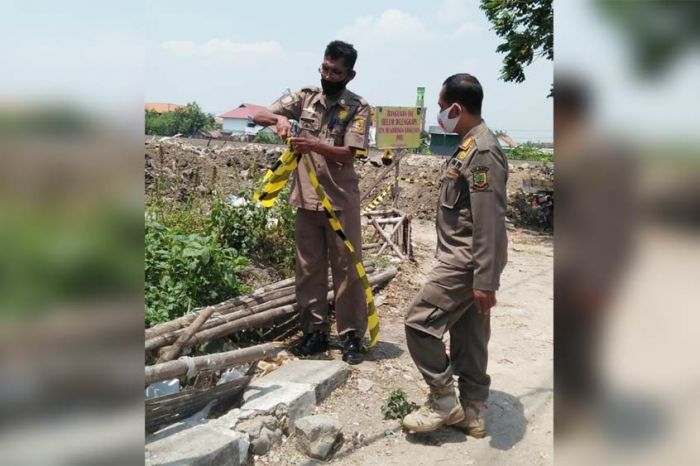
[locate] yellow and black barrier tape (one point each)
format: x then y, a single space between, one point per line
274 181
276 178
376 202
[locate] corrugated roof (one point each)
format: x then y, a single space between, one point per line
243 111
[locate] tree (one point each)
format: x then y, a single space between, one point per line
186 120
528 29
190 119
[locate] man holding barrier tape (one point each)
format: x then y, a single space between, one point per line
333 125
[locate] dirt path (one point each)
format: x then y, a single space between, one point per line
519 416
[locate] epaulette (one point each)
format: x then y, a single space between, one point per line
467 148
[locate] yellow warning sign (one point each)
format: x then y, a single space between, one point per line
399 127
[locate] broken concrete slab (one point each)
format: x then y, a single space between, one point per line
325 376
318 436
264 432
199 446
230 419
266 396
271 407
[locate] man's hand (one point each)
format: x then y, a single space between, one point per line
305 145
484 300
284 128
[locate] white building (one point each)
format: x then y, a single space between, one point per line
236 120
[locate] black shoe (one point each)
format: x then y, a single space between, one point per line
311 343
352 349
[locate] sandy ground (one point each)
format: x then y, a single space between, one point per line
520 408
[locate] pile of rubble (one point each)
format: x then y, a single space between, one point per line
177 169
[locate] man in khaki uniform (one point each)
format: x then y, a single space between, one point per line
472 252
333 124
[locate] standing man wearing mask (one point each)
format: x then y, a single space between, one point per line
333 124
472 252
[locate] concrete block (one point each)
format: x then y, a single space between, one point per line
263 431
266 396
199 446
318 436
325 376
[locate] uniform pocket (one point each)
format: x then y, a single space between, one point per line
449 193
432 311
309 122
437 296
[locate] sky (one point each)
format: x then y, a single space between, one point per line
115 55
592 47
222 54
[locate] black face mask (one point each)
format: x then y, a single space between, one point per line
332 88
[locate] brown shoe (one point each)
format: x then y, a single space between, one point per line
441 409
474 423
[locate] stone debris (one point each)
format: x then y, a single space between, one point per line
318 436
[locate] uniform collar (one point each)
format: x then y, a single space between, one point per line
472 134
341 100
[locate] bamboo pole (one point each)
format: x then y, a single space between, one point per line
182 340
390 220
387 239
185 320
220 319
180 367
257 297
258 320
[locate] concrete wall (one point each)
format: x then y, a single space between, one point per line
235 125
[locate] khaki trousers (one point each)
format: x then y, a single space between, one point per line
316 245
446 303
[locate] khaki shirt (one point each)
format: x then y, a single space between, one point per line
472 208
340 122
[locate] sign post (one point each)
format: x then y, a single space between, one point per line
399 128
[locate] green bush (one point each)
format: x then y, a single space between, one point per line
194 251
266 137
266 235
397 406
186 270
528 151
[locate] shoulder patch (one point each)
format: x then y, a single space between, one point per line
359 123
480 178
